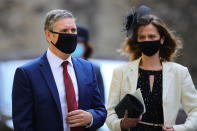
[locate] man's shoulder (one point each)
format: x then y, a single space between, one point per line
34 63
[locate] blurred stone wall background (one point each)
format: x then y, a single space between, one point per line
22 36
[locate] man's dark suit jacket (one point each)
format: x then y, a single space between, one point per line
35 99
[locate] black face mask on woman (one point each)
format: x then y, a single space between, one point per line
66 42
149 48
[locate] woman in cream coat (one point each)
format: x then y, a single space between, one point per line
152 47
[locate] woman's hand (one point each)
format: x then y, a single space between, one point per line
127 123
166 128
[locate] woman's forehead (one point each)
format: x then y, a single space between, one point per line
147 29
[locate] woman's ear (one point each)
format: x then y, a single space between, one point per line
162 40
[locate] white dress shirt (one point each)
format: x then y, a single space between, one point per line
57 70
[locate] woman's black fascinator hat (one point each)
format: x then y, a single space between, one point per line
131 20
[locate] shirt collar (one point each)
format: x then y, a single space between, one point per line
55 61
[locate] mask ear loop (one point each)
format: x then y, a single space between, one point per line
52 43
54 33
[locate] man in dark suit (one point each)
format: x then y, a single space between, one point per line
57 92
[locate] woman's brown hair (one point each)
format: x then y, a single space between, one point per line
168 50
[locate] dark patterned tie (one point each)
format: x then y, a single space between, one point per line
70 93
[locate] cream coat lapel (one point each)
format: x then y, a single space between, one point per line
132 75
167 79
168 90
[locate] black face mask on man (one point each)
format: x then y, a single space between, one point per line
149 48
66 42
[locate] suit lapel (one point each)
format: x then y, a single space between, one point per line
48 76
79 76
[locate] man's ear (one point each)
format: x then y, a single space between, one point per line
47 35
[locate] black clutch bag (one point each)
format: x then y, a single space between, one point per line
134 106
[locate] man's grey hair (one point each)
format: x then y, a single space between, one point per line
54 15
